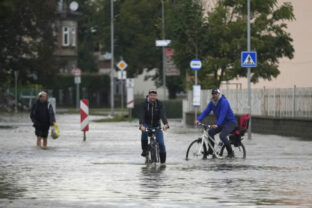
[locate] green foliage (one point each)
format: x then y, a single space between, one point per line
137 26
227 38
219 38
26 39
186 27
89 33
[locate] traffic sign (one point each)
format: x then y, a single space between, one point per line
77 80
196 64
76 72
196 95
130 83
84 113
249 59
162 43
130 97
122 65
122 75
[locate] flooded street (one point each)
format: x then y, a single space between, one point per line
108 171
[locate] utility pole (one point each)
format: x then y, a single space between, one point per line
163 48
15 83
248 73
112 60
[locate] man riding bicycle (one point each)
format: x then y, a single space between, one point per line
152 110
226 121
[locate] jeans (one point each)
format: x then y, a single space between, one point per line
225 130
159 138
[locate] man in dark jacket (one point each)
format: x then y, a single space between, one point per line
226 120
42 116
152 110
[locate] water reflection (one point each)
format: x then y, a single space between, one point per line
152 179
107 171
9 188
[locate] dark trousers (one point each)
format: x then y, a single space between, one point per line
159 138
224 131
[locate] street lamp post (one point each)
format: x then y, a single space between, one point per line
112 60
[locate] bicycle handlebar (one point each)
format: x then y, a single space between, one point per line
153 128
206 126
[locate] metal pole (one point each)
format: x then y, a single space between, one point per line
112 60
248 73
15 83
163 48
84 136
196 108
122 94
77 96
294 102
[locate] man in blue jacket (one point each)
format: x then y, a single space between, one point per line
226 121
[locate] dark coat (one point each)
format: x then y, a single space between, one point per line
151 113
42 114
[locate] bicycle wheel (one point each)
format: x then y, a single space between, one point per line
239 151
195 150
153 152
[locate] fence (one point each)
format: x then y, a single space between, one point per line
277 103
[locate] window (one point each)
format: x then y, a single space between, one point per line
65 36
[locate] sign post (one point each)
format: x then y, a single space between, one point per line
196 65
84 117
130 96
248 60
77 73
163 43
122 75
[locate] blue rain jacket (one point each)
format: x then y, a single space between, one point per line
222 111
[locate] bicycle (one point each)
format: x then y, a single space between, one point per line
153 146
198 149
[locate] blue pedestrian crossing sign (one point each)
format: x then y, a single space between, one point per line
249 59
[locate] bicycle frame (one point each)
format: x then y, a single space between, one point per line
206 140
152 142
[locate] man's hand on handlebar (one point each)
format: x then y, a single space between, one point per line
165 127
142 128
196 122
214 126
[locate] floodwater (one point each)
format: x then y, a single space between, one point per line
107 170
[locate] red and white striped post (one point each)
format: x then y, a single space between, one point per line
84 117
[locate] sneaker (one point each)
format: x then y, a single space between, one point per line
144 153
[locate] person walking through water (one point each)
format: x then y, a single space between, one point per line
42 116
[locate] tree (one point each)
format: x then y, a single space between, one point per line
226 35
89 27
137 27
26 39
186 27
